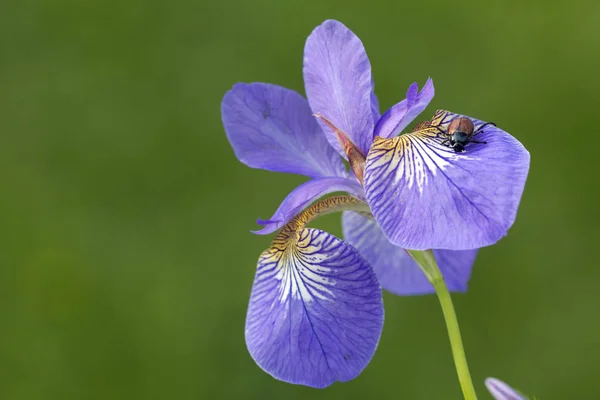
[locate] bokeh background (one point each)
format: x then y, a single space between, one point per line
126 259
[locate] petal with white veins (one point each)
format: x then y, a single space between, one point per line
316 310
424 195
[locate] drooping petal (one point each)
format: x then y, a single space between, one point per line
337 78
426 196
501 391
396 270
305 194
394 120
316 311
272 128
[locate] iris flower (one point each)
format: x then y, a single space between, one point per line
316 313
501 391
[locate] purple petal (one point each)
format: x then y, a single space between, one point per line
374 105
425 196
316 313
396 270
399 116
337 77
272 128
501 391
305 194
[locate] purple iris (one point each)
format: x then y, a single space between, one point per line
501 391
315 312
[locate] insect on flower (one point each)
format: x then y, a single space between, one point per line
461 132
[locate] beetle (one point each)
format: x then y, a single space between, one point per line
461 132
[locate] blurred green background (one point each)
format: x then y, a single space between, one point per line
126 259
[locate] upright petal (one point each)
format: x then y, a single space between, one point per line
399 116
426 196
396 270
501 391
374 103
272 128
305 194
337 77
316 311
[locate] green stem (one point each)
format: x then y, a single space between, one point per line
426 262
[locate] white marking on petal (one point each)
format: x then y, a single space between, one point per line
313 324
425 195
419 157
300 272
